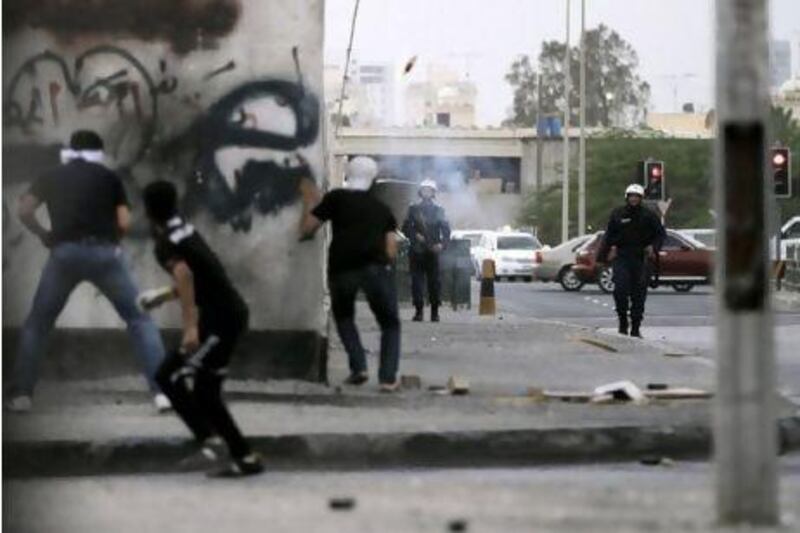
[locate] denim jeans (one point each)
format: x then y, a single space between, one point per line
378 283
70 264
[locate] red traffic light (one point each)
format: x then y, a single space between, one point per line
655 171
778 159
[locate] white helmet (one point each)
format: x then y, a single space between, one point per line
429 184
634 188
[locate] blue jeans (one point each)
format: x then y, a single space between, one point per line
377 282
70 264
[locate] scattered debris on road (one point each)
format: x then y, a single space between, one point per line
597 344
622 395
458 385
342 504
411 382
457 525
655 460
619 390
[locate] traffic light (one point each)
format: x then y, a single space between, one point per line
654 180
780 160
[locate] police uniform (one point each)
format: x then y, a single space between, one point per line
426 219
631 229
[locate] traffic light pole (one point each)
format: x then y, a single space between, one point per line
745 432
779 218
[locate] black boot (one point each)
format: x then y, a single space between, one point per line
418 315
635 329
434 313
623 325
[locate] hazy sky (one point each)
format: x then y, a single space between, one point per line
673 38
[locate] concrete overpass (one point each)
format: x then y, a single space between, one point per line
519 146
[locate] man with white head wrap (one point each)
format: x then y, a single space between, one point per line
362 254
89 214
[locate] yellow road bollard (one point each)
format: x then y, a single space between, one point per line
487 305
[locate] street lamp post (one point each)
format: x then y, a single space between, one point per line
745 432
582 142
565 169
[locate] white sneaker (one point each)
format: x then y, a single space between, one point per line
19 404
162 403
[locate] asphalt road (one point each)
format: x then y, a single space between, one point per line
682 320
623 497
592 307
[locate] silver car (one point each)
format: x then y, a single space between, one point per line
553 264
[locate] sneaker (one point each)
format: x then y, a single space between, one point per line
435 315
249 465
418 317
162 403
388 388
359 378
636 333
19 404
213 448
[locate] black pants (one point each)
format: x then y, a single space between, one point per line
424 266
201 406
378 283
630 286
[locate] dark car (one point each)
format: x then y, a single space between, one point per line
683 263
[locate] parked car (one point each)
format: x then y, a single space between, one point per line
684 263
707 236
474 238
512 253
554 264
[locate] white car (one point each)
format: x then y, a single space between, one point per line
553 264
512 253
474 238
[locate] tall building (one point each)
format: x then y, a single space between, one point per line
369 98
780 63
795 46
443 100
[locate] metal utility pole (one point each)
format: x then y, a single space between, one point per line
539 140
345 76
565 174
745 432
582 142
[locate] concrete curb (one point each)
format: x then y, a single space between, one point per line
358 451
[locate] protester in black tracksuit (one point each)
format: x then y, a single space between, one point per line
427 228
631 243
214 318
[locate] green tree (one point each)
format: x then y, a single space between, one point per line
615 93
611 165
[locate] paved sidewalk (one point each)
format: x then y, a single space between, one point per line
110 425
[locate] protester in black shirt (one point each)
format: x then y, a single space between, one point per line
631 242
88 215
214 318
362 253
427 228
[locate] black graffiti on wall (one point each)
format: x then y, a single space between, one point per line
123 98
266 185
128 90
